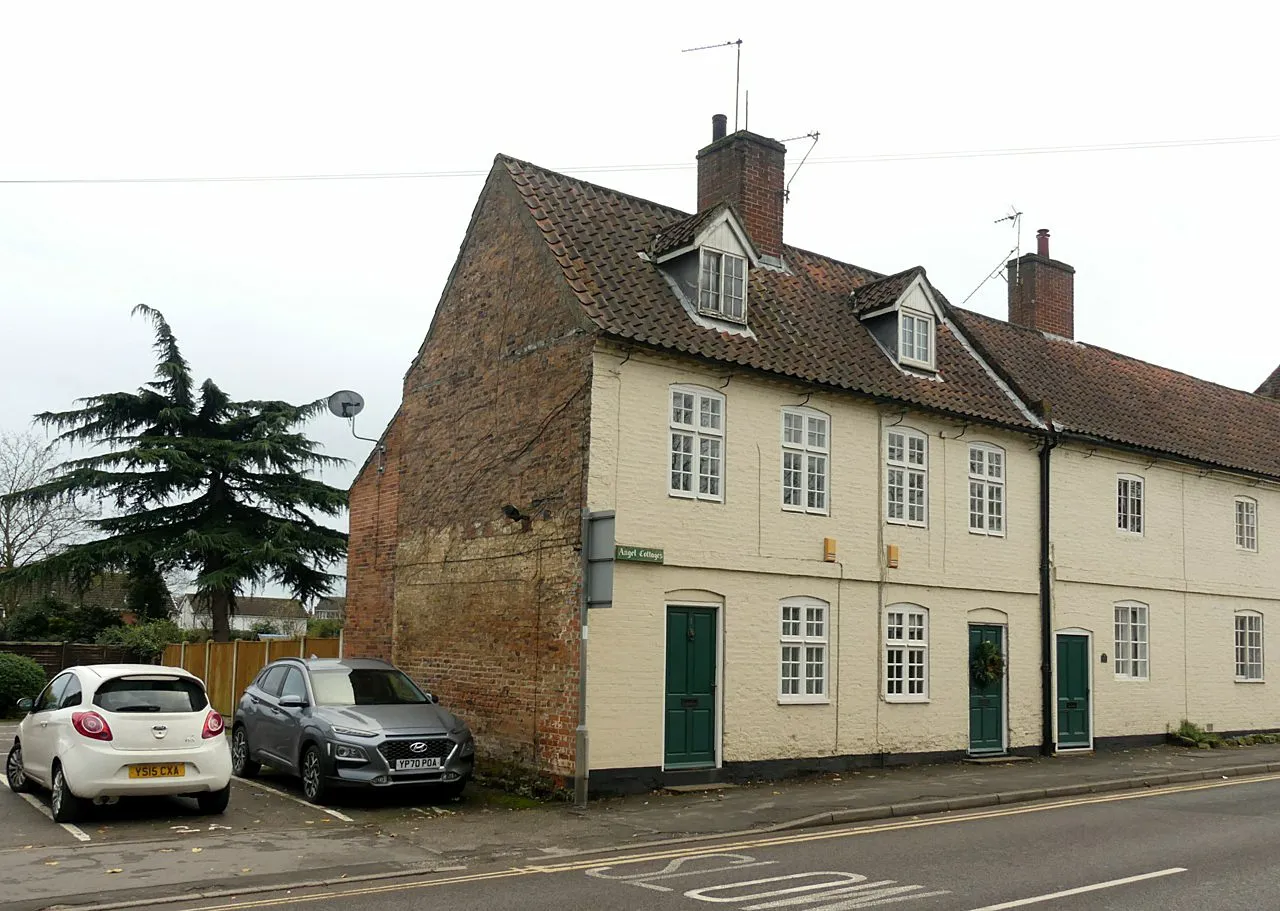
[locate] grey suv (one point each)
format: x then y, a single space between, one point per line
348 722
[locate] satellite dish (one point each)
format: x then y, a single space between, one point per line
346 404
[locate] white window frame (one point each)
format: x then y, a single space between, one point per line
909 636
903 467
809 451
714 301
804 628
1247 524
1132 650
703 437
987 490
1126 518
1246 646
909 354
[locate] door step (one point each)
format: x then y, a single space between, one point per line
994 760
698 788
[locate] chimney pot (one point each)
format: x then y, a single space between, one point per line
719 126
1042 242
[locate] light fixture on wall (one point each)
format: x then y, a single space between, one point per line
515 515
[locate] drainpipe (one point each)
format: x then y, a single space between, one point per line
581 771
1046 600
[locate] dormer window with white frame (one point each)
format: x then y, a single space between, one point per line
915 332
722 286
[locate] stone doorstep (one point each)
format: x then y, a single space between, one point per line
698 788
994 760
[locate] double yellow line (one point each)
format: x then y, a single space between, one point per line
721 847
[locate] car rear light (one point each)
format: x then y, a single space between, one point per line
213 725
91 725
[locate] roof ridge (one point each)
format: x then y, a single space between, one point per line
1049 336
511 159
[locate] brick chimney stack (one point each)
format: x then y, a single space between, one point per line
747 170
1042 291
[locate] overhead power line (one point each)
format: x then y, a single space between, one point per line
672 166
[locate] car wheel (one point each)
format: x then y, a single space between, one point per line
214 801
15 772
242 763
313 787
67 807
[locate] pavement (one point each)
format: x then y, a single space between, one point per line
270 836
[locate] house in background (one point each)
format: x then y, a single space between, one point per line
285 616
851 523
330 608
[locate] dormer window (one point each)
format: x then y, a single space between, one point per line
722 287
916 347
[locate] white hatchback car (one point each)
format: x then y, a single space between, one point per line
100 732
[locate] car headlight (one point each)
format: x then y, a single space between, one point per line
352 732
468 745
349 752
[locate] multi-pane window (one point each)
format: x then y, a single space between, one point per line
806 451
722 289
1129 504
986 489
906 477
1249 646
1246 523
916 343
804 651
906 655
697 444
1131 640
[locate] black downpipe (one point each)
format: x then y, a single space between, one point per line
1046 605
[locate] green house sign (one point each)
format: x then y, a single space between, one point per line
628 554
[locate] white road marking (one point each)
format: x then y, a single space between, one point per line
76 832
306 803
1022 902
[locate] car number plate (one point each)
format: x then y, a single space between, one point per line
409 765
158 770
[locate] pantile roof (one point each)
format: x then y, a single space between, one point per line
802 319
1108 396
682 233
883 292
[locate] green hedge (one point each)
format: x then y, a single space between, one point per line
19 678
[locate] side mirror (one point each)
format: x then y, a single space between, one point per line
433 698
292 702
25 704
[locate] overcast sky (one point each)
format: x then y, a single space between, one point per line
295 289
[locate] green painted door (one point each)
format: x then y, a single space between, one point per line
1073 691
691 687
986 703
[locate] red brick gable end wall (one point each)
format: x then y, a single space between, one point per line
494 414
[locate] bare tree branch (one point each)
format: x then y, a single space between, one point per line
33 530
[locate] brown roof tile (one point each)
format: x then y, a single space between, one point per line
1101 394
883 292
803 320
682 233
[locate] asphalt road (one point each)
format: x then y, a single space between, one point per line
1208 847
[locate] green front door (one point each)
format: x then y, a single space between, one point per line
986 701
1073 691
691 687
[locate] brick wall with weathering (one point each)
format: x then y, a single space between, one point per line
494 413
371 551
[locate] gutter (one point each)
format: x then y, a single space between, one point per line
1046 601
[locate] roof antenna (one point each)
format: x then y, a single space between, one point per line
786 191
1016 217
737 72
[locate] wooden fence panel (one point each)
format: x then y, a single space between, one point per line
172 655
220 675
327 647
196 660
251 658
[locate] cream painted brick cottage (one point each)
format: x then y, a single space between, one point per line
832 520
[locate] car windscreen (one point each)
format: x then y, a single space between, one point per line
364 686
151 694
